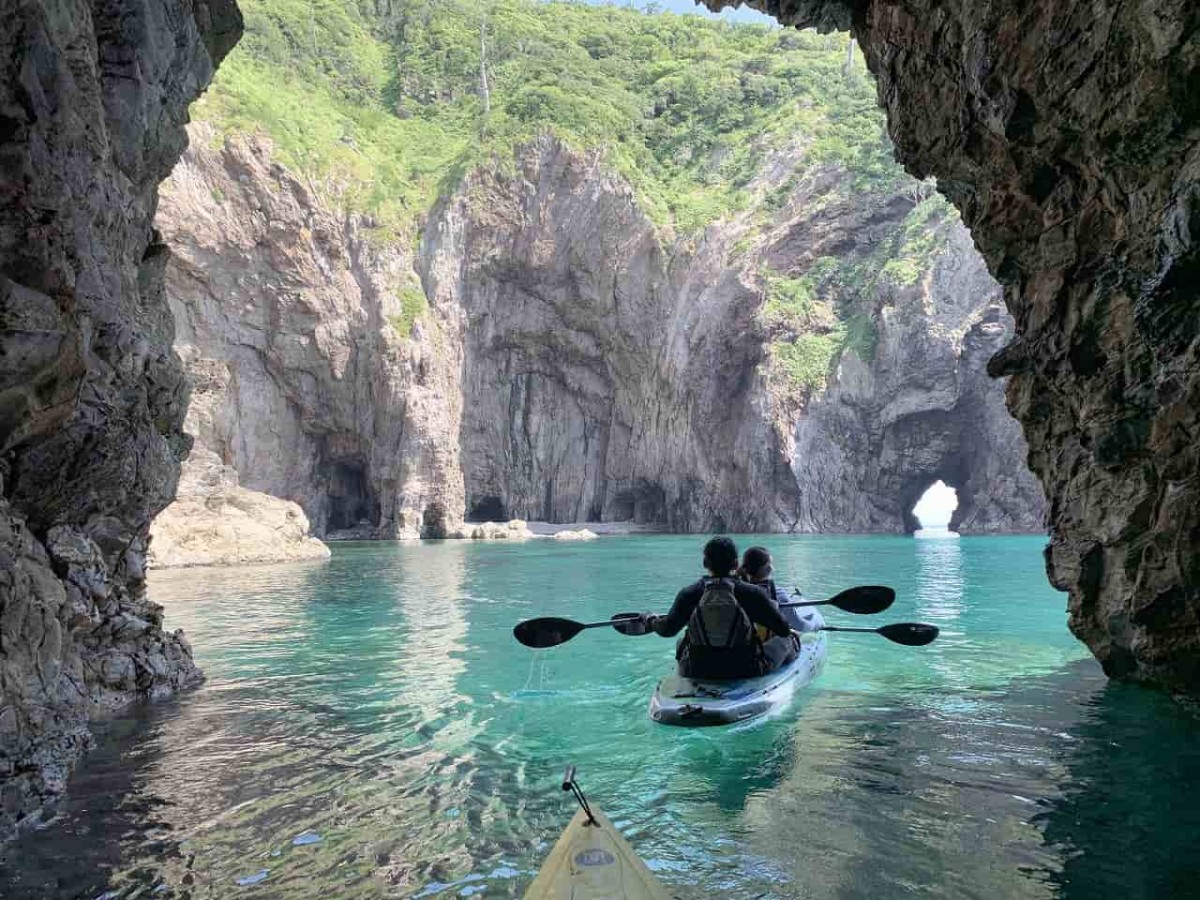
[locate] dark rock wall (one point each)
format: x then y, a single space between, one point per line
93 100
1068 134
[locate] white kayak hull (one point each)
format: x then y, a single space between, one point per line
695 703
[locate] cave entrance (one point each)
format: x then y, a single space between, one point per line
350 500
932 513
488 509
644 502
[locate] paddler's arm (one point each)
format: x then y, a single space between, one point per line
681 611
761 609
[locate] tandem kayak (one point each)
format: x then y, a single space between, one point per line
592 861
695 703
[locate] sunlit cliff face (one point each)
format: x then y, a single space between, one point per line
1068 134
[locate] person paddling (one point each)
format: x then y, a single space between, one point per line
720 613
757 568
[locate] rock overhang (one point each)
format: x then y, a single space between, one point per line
1068 134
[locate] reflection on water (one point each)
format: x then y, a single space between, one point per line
940 579
1127 820
380 703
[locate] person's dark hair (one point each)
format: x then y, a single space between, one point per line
720 556
756 563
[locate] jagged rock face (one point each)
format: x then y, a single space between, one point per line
573 364
284 314
609 376
1069 136
922 410
92 106
603 380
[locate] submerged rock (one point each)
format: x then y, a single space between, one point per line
515 530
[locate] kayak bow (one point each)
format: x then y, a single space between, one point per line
592 861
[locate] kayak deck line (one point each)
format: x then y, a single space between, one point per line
593 861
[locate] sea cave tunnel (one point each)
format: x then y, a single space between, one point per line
935 510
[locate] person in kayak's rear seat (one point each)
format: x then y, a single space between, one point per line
757 569
720 613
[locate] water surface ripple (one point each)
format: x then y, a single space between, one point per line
369 728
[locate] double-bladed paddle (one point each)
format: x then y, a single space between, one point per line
910 634
552 631
865 600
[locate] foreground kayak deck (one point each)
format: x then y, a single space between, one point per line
694 703
594 861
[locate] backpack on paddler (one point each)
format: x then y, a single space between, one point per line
721 642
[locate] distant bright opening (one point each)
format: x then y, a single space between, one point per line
936 506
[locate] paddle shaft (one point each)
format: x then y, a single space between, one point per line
910 634
609 623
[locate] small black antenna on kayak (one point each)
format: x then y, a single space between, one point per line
570 784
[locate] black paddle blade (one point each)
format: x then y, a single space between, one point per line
864 600
547 632
632 624
911 634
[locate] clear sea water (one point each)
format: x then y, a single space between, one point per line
378 710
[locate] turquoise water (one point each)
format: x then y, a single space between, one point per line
378 708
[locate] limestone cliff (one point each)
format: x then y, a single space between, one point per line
318 385
611 375
92 106
214 521
577 363
1068 134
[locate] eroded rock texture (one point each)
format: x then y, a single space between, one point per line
290 318
214 520
610 375
923 409
92 104
1068 134
575 363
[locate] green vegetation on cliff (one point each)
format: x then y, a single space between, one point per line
833 306
385 107
385 110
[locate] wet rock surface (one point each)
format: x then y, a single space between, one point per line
92 398
1068 134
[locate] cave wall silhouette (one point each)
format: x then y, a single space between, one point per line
1068 134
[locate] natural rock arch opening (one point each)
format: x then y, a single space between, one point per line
935 509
